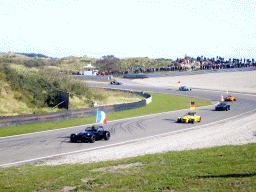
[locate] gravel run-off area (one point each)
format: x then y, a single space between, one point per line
234 132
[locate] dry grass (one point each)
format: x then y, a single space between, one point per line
10 105
104 97
114 97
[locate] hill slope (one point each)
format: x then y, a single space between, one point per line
31 90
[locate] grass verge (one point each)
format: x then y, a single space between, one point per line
160 103
224 168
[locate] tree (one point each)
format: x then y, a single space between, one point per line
108 63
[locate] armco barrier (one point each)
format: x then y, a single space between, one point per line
64 115
136 76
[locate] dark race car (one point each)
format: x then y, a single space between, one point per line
222 107
91 134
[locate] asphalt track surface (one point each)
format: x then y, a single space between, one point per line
42 145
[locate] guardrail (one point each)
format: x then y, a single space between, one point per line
64 115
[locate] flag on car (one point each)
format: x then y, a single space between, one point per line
192 105
101 117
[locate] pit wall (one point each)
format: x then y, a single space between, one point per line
64 115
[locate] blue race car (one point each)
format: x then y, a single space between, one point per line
185 88
91 134
222 107
116 82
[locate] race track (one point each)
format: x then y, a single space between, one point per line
37 146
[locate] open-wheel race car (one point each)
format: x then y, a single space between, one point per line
91 134
190 117
222 107
230 98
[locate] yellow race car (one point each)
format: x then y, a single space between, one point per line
230 98
190 117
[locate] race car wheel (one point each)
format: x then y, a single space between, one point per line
226 108
193 121
72 138
92 139
107 136
199 119
234 99
178 120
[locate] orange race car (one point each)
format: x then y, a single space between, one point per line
230 98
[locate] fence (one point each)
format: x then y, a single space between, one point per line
64 115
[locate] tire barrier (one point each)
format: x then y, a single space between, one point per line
65 115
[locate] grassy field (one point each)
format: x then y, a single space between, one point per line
160 103
224 168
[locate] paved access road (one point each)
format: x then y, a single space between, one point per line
36 146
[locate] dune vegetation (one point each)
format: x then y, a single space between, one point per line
25 90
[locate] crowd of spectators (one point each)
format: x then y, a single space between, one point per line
157 69
221 63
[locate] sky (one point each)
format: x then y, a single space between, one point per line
129 28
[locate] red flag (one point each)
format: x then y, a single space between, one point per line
178 81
